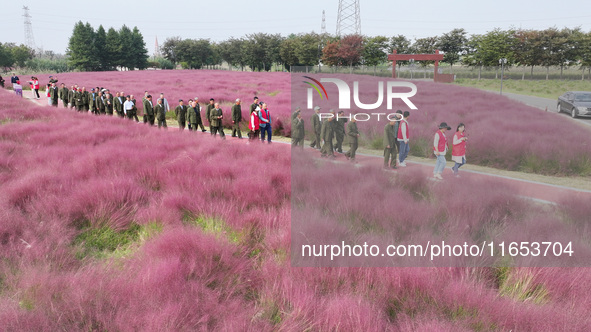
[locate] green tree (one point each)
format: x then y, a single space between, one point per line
402 46
229 51
527 49
126 59
113 50
83 55
375 51
583 42
100 44
138 50
473 58
169 48
308 49
453 44
427 45
287 52
6 60
20 54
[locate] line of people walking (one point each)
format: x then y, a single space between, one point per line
100 101
328 135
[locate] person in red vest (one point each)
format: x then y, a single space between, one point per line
458 151
253 124
34 82
440 149
265 123
403 138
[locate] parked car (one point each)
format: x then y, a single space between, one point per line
576 103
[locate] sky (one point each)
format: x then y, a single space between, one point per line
53 21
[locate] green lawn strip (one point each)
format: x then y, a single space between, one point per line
551 89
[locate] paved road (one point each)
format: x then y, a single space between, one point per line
544 104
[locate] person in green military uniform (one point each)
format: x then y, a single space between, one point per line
160 111
236 119
316 127
215 121
148 111
295 113
353 137
254 105
63 95
210 106
85 99
297 130
92 101
390 145
194 116
199 123
78 99
100 103
340 131
327 135
108 101
181 114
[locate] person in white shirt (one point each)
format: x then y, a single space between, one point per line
128 106
164 102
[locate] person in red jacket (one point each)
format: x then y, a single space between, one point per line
34 87
440 149
458 151
254 124
403 138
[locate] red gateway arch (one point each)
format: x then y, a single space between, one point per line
445 78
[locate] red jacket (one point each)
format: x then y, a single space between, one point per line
35 84
254 121
400 130
459 149
442 142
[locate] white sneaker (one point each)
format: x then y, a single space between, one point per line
403 164
438 176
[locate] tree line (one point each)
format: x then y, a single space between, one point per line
95 50
12 55
260 51
90 50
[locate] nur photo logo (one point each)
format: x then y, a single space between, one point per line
391 89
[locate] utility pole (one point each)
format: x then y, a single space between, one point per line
502 62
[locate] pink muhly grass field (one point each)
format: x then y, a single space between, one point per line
203 239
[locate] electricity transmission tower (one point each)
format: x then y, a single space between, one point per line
348 19
323 26
29 39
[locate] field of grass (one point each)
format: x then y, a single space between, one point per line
112 226
503 133
551 89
